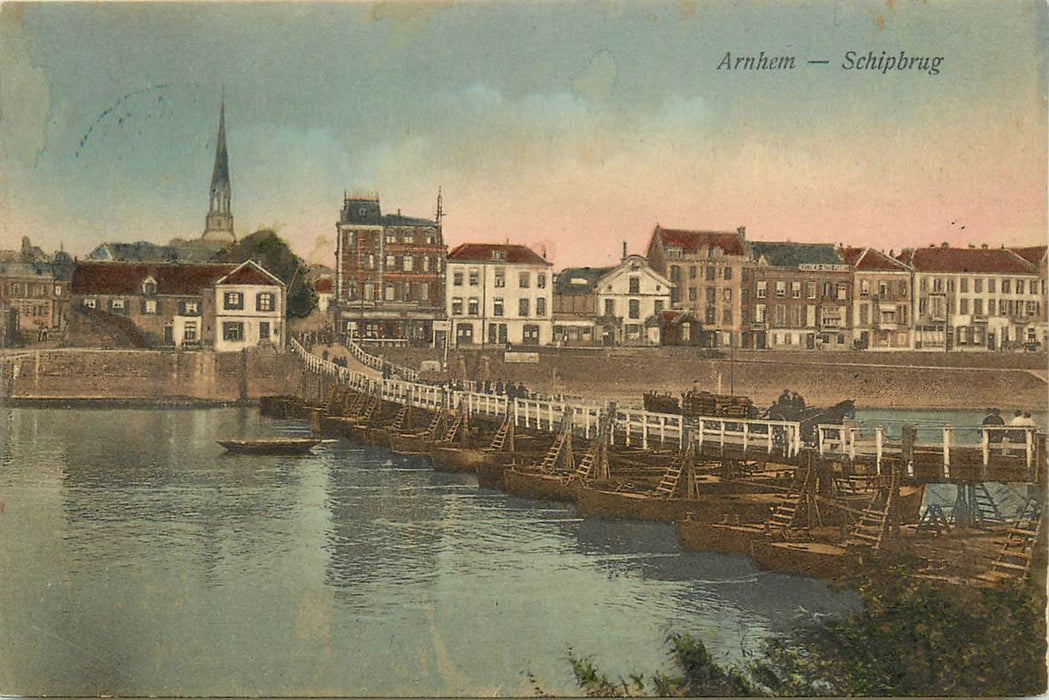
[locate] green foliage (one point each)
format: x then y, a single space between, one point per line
917 638
269 250
911 638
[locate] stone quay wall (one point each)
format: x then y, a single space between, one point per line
147 376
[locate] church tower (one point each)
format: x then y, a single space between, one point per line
218 227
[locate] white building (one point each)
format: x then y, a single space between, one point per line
610 305
976 299
249 308
498 295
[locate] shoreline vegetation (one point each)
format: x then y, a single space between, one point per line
910 638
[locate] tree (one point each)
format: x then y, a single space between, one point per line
911 638
269 250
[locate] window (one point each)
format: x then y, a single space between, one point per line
457 306
978 307
711 294
963 305
58 289
963 285
903 289
795 290
950 284
408 263
407 290
675 273
426 263
369 261
883 289
692 272
475 277
990 285
710 315
1019 286
810 290
117 306
424 290
843 291
391 262
190 307
726 294
89 303
692 294
726 316
828 290
978 285
795 316
810 315
657 306
522 307
540 280
391 237
524 280
231 300
264 301
635 285
540 306
232 331
781 289
759 313
634 308
457 278
865 288
610 307
937 284
781 315
407 238
712 273
149 287
473 306
389 294
727 272
149 306
1031 311
189 332
864 314
497 306
1006 286
763 289
500 277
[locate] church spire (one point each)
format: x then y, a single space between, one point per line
218 228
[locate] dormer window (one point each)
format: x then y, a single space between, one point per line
149 287
499 255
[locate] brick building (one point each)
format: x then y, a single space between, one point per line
797 296
389 273
882 315
31 289
706 269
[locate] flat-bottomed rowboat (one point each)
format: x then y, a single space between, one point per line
271 446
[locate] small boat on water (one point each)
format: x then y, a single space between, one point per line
271 446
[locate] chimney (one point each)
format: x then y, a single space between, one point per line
544 251
624 250
971 246
944 245
983 246
742 231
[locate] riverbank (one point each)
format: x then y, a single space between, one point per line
77 377
917 381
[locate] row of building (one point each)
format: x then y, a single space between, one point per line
393 281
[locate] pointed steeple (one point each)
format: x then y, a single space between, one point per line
218 227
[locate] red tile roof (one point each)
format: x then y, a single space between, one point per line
482 252
976 260
871 260
323 285
1032 254
691 242
127 278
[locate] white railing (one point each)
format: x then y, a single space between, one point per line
378 363
644 427
852 442
766 436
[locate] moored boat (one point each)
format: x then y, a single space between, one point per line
724 538
632 505
538 485
410 445
452 458
816 559
270 446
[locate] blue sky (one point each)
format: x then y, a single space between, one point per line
571 125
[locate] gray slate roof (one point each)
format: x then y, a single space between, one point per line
590 275
788 254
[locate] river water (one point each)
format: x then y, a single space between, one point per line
137 559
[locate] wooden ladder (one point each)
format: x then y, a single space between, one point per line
668 485
987 511
1013 562
457 424
504 437
400 419
435 425
873 524
785 515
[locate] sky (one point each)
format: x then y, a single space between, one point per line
572 127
